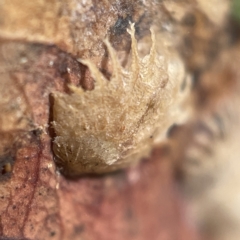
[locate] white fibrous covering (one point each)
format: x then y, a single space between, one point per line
118 122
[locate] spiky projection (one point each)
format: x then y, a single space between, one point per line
118 122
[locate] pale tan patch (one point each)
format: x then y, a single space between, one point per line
120 120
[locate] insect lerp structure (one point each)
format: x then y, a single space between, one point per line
118 122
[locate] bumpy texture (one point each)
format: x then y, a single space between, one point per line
119 121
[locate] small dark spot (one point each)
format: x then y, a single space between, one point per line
189 20
121 25
79 228
143 25
151 137
63 67
13 207
52 234
37 132
171 130
106 73
32 227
